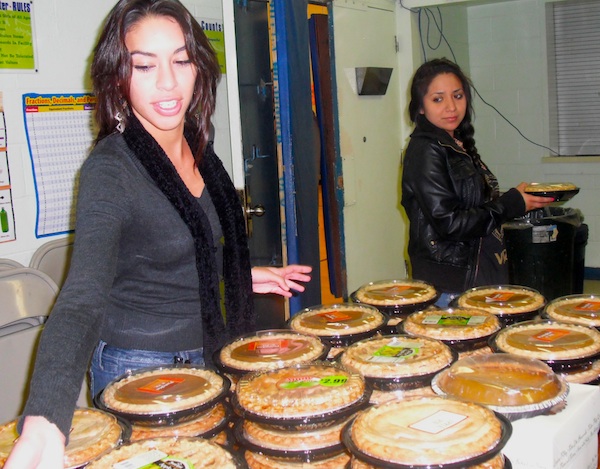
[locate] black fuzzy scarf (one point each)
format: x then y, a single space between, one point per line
236 260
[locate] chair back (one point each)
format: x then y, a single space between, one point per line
53 258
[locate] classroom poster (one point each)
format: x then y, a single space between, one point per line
16 36
213 29
60 131
7 218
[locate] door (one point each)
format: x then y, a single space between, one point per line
261 173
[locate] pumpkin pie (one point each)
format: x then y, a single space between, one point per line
503 299
396 293
579 309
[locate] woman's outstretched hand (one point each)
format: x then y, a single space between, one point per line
533 201
40 446
280 280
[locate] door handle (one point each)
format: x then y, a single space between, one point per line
256 211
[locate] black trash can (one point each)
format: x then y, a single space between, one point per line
581 240
540 248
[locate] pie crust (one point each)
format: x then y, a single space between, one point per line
452 324
381 397
275 438
549 340
93 432
426 431
301 391
195 451
550 187
587 374
397 356
338 320
257 460
156 391
497 462
502 381
502 299
396 293
579 309
206 422
270 349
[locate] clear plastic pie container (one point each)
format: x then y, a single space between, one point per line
511 303
163 395
93 432
259 460
585 374
169 452
339 324
500 461
425 433
517 387
207 424
301 445
269 349
462 328
560 344
579 309
301 396
396 296
398 362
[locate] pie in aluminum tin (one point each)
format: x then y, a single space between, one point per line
268 350
426 432
560 344
93 432
301 394
163 395
514 386
579 309
463 328
196 452
396 296
339 324
398 361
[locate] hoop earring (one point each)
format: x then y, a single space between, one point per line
119 118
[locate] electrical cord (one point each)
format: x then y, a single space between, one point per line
430 16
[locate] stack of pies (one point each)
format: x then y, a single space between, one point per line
268 350
283 447
93 432
399 361
463 328
560 344
293 416
515 386
168 452
396 296
578 309
257 460
511 303
163 395
339 324
426 432
211 424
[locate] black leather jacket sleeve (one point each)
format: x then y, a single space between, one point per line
441 188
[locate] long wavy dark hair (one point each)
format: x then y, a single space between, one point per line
111 65
418 89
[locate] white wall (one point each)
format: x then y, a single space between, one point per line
506 55
66 31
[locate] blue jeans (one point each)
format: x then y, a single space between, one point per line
445 298
109 362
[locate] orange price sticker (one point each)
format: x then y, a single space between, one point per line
160 385
593 306
268 346
500 297
335 316
550 335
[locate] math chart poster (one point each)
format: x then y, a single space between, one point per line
60 132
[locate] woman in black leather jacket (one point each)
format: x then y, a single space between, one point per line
451 197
